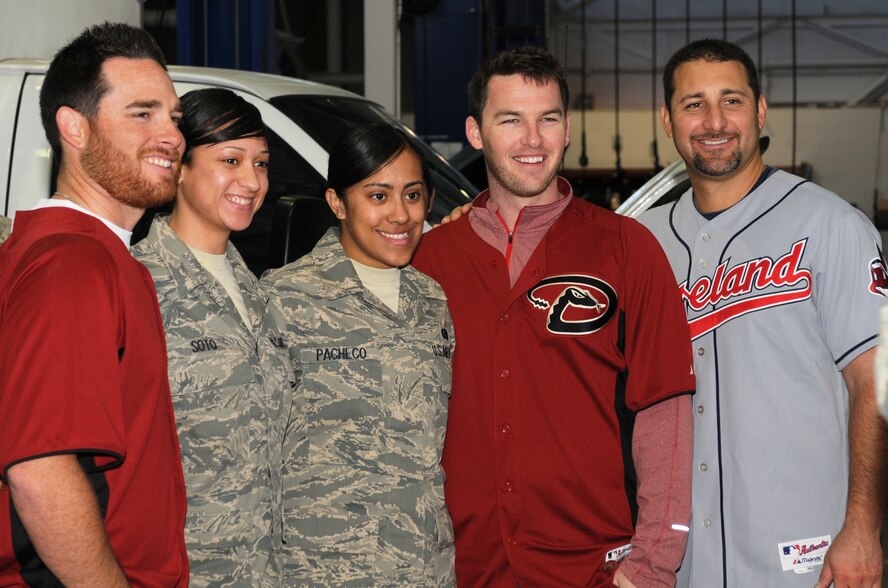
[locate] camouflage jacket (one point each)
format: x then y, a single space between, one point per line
5 228
363 484
227 383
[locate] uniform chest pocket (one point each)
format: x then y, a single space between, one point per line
208 362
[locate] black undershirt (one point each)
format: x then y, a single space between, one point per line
764 176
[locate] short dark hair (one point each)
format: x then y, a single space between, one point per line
74 77
216 115
711 51
534 63
364 150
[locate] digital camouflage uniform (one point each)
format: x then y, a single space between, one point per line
227 384
363 484
5 228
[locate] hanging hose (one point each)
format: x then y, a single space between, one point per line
616 193
794 87
759 36
584 159
724 20
655 151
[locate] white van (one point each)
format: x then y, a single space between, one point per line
304 120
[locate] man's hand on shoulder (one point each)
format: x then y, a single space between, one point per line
456 213
854 560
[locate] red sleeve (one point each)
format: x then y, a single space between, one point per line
61 328
657 338
662 448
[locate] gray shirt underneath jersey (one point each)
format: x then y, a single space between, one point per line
363 483
780 298
227 381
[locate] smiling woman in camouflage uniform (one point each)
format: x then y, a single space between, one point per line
371 340
227 370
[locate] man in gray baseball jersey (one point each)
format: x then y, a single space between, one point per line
778 282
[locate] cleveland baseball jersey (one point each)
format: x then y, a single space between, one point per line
782 292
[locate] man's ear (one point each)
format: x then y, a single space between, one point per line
666 119
73 127
473 133
567 129
762 113
335 203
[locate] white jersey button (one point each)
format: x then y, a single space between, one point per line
703 467
706 237
700 351
707 522
702 263
700 409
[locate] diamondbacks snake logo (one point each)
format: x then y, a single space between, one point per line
576 304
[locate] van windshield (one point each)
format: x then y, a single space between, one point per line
327 118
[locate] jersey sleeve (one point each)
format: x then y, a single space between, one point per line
657 339
61 325
849 286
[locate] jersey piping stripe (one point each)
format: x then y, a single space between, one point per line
756 219
864 342
721 484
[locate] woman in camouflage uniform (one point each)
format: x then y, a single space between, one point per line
226 368
370 339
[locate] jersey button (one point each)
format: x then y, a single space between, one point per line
703 467
506 429
700 351
504 374
493 263
706 237
707 522
700 409
508 487
512 541
702 263
505 317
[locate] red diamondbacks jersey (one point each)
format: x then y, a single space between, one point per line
547 377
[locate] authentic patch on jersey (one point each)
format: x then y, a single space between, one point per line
614 556
801 556
576 304
753 282
344 353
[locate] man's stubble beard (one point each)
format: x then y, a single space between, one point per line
514 184
122 177
718 168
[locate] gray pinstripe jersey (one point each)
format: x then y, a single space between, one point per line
363 484
780 295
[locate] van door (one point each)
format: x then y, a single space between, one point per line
29 176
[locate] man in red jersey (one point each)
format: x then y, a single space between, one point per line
93 493
568 448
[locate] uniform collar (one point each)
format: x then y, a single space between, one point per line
190 275
339 280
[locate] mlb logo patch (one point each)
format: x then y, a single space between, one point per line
802 555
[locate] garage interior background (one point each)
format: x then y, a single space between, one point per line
823 64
